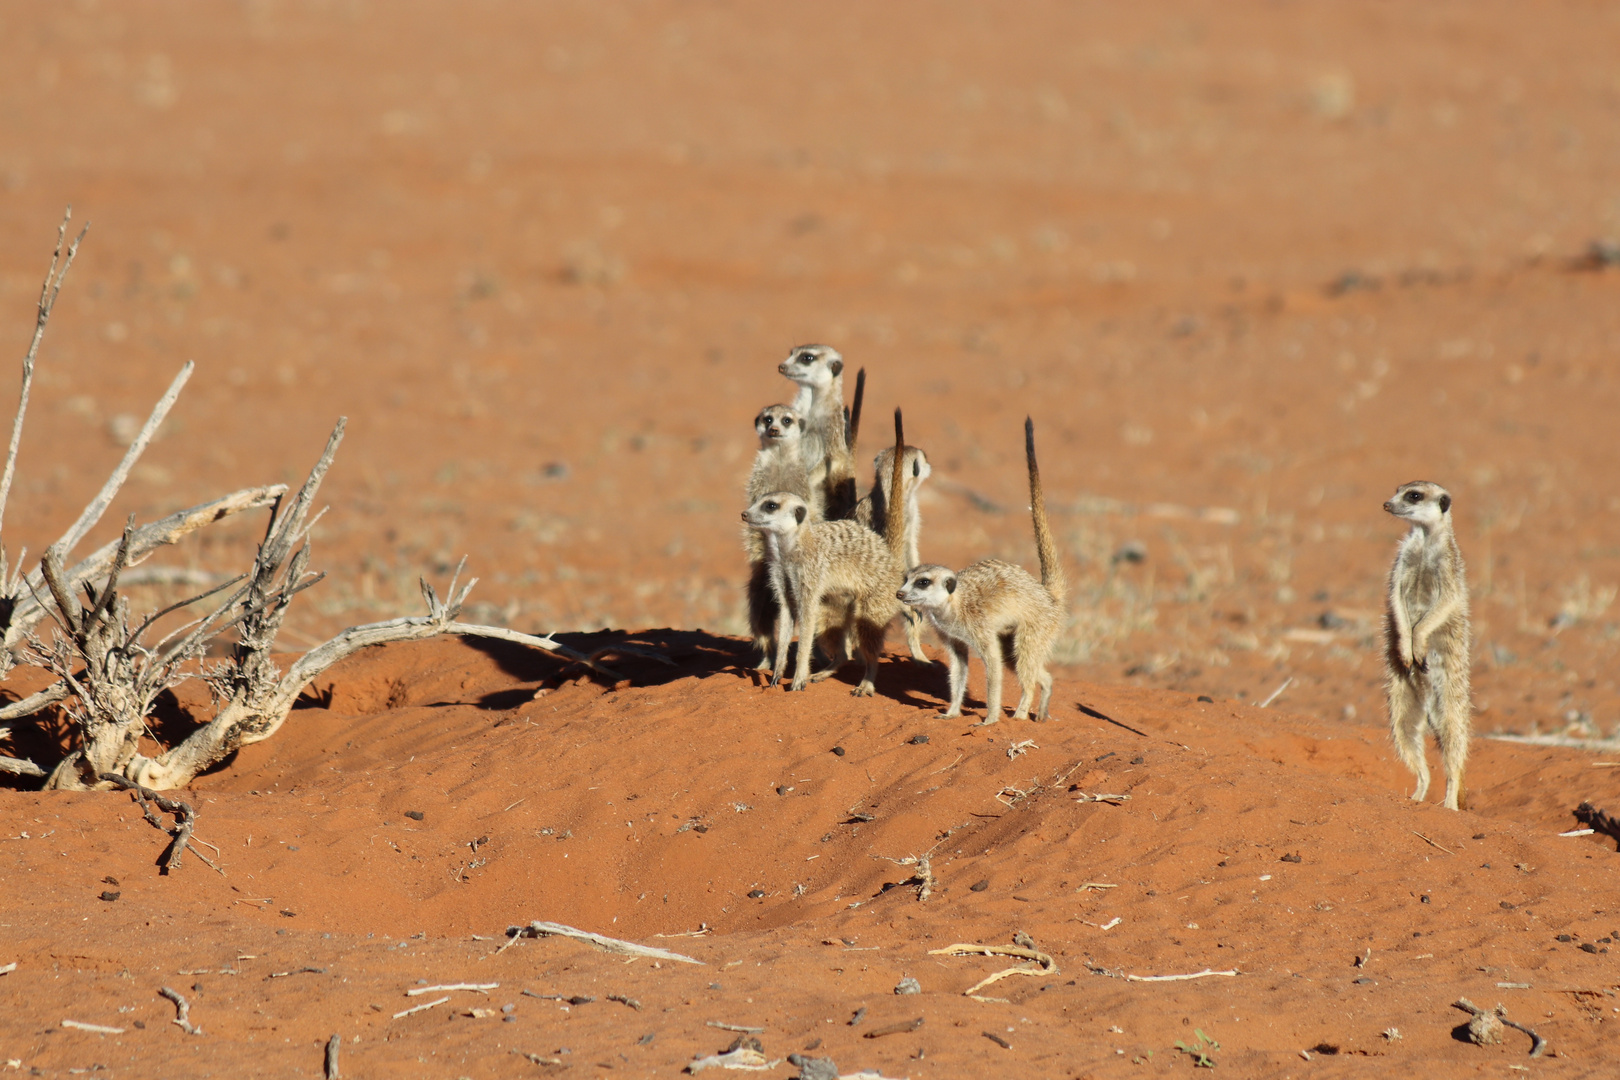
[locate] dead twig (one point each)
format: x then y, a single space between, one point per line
1537 1044
182 1009
185 820
1182 978
1277 693
539 929
47 301
482 988
1431 843
736 1027
1043 962
99 1029
422 1007
894 1029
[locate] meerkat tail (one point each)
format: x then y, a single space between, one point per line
852 417
1051 569
894 512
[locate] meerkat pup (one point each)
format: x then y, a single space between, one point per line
819 372
1428 639
837 571
872 510
778 466
993 608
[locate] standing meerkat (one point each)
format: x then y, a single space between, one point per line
872 510
994 608
1428 639
778 466
837 571
819 372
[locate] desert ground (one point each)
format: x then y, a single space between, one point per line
1249 267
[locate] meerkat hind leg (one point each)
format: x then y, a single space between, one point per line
957 651
1033 677
1408 726
1453 731
871 647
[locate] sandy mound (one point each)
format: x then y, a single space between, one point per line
425 801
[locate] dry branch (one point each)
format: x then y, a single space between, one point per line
29 610
1537 1043
185 818
1043 963
20 767
33 703
182 1009
98 506
47 301
538 929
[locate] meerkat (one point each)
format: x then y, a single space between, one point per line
992 607
837 571
819 372
1428 639
872 510
778 466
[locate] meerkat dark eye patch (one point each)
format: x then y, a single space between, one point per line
923 583
799 513
1445 503
771 507
1414 496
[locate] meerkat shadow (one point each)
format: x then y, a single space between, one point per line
644 657
1097 715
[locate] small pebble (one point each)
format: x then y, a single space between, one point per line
109 880
839 750
756 894
1564 938
1423 899
1138 760
1296 858
1206 699
908 985
110 895
917 740
509 1008
415 815
1587 946
979 886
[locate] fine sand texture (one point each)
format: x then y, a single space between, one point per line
1248 266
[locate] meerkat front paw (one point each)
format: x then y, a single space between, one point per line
950 714
862 691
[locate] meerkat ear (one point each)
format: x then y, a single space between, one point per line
799 513
837 366
1445 504
950 584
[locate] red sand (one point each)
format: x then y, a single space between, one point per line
1249 267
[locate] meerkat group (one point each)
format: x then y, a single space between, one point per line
833 570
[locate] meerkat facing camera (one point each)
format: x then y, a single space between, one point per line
819 372
1429 641
872 511
835 578
993 607
778 466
